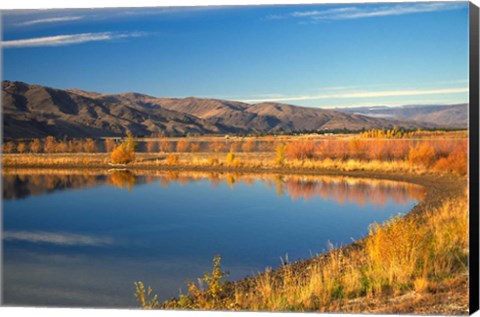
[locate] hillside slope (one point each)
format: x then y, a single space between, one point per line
38 111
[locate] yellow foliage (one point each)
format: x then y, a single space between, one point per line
172 159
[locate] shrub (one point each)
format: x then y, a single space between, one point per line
90 146
230 158
49 144
248 146
217 146
109 145
195 147
121 155
172 159
213 161
166 145
35 146
280 155
22 147
300 150
182 146
151 146
422 154
8 147
125 152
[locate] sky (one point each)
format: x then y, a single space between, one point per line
338 55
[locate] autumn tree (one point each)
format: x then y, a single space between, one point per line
280 154
124 153
248 146
109 144
152 146
71 146
35 146
230 159
8 147
61 146
166 145
21 147
195 147
217 146
172 159
49 145
300 150
182 145
422 154
89 146
79 146
235 147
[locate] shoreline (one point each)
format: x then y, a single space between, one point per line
438 189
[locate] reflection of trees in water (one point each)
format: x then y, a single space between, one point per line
123 179
21 186
357 191
23 183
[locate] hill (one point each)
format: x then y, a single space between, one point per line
38 111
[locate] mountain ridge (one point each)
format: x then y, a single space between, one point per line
37 111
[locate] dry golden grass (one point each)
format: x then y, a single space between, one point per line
402 256
446 154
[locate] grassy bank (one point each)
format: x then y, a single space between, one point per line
258 161
414 264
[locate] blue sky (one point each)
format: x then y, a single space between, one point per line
310 55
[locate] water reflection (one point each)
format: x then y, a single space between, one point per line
26 182
82 237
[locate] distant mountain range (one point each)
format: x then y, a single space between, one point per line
448 116
38 111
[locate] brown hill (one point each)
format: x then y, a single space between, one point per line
38 111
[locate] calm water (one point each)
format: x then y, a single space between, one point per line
72 239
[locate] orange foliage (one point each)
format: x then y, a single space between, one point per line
49 144
182 146
123 179
109 145
166 145
172 159
151 146
422 154
217 146
249 145
121 156
455 162
195 147
300 150
35 146
90 146
22 147
8 147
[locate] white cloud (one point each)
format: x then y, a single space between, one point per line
56 238
369 11
369 94
50 20
60 40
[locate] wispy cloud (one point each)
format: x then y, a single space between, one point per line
50 20
66 239
368 94
68 39
369 11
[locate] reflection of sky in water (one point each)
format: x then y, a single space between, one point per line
87 247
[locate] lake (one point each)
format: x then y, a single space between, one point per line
80 239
